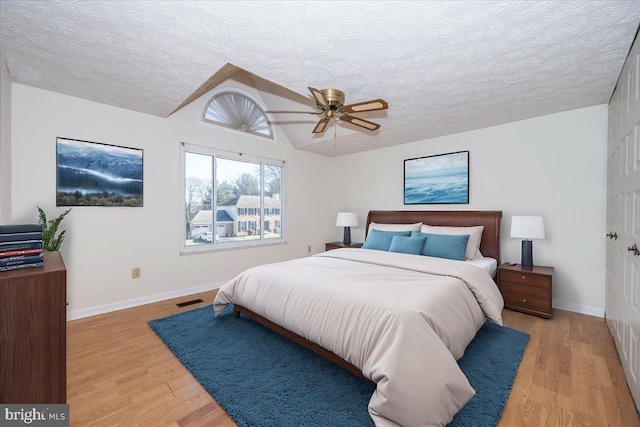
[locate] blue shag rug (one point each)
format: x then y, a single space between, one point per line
264 380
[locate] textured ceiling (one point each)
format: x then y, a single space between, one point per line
443 67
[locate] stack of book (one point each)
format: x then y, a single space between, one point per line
20 246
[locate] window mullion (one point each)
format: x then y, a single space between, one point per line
262 201
214 201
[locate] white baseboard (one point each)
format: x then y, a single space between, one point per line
121 305
591 311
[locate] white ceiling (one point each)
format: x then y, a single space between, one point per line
443 67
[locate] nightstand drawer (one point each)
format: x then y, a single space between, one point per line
525 297
525 278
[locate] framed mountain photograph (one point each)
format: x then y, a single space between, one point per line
96 174
439 179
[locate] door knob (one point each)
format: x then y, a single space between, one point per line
613 236
634 249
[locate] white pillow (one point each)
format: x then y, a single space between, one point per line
475 234
395 227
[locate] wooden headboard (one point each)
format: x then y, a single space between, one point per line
490 243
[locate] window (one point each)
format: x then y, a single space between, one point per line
231 185
236 111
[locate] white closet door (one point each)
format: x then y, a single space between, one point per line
623 219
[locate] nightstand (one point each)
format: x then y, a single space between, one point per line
528 290
338 245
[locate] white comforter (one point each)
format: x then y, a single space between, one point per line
403 319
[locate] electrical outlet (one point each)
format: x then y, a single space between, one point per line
135 273
309 248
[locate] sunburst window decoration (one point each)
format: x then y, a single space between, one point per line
237 111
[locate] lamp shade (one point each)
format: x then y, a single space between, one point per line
347 219
527 227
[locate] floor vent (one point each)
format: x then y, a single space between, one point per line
186 303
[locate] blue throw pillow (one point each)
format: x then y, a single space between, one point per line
446 246
407 245
381 240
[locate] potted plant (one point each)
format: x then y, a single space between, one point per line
50 242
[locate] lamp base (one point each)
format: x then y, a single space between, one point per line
527 254
347 236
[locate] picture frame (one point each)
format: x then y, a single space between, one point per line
437 179
96 174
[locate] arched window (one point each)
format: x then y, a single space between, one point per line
237 111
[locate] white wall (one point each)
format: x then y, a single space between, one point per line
103 244
5 143
554 166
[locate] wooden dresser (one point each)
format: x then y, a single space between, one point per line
33 333
528 290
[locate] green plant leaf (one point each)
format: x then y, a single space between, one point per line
49 229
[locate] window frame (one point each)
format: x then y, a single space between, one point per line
226 91
215 246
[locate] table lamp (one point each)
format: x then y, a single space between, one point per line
527 227
347 220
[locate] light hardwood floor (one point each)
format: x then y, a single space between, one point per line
120 373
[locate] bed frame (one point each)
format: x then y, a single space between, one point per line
489 246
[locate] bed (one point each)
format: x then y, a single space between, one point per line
400 321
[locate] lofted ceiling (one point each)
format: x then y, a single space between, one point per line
443 66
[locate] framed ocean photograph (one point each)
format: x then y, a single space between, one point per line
96 174
439 179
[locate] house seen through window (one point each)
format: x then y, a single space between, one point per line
245 194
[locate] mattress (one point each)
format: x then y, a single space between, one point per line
490 265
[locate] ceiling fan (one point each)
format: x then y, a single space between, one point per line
330 102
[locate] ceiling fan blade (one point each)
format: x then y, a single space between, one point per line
373 105
319 97
321 126
360 122
293 112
